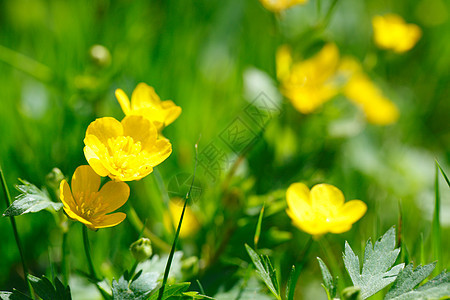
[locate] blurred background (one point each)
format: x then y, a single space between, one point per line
61 61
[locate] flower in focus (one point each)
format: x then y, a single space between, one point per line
145 102
309 83
190 223
279 5
392 32
126 150
377 108
86 204
322 209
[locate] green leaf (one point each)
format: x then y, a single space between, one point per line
437 288
290 287
171 290
243 290
329 282
265 270
408 279
443 174
378 260
196 295
48 291
138 288
31 200
15 295
258 227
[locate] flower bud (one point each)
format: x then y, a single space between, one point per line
141 249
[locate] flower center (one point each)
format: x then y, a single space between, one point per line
88 205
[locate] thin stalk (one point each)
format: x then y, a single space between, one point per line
299 267
326 248
64 264
87 250
16 234
436 229
327 18
175 240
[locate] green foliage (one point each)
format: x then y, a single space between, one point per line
139 287
329 283
15 295
171 290
48 291
409 278
196 295
265 270
376 269
31 199
290 286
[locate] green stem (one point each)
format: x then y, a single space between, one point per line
326 248
64 265
174 244
16 234
299 266
87 250
436 228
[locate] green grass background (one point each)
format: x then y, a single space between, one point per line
196 53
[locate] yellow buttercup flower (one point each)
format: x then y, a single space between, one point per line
392 32
309 83
279 5
145 102
377 108
190 223
86 204
126 150
322 209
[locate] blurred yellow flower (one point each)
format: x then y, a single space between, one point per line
145 102
392 32
190 223
279 5
322 209
86 204
309 83
126 150
377 108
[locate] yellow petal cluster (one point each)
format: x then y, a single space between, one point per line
311 82
392 32
377 108
86 204
322 209
145 102
126 150
171 218
279 5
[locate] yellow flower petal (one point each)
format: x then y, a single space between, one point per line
110 220
114 195
66 195
85 180
104 129
353 210
173 111
140 129
326 196
298 199
159 151
123 101
144 96
284 62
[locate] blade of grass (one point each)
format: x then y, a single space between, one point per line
436 228
175 240
258 227
443 174
16 233
290 287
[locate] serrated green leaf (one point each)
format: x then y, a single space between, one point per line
139 288
437 288
243 290
171 290
265 270
31 199
328 280
47 291
378 260
408 279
